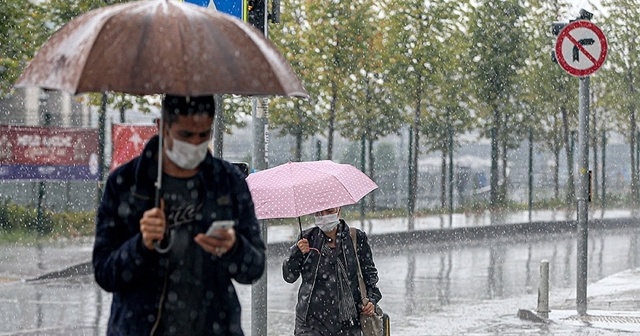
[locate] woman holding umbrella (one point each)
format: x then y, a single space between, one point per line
329 301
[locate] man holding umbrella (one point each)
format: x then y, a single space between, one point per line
184 287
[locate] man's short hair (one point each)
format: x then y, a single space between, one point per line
174 106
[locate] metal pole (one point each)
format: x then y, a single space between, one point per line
604 169
582 196
259 162
530 173
363 167
410 190
46 121
102 122
450 145
218 127
543 290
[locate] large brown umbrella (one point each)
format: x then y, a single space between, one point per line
160 46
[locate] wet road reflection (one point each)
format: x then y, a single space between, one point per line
416 282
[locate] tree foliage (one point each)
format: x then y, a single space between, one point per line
22 31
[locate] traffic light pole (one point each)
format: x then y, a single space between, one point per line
257 16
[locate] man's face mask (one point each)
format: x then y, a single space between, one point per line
186 155
328 222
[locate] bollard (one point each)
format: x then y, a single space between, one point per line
543 290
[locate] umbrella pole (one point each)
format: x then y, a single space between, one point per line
300 225
158 198
160 152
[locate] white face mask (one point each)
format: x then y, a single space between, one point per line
328 222
186 155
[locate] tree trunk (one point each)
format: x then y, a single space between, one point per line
372 175
495 148
503 154
332 120
594 148
632 149
568 138
504 185
633 143
443 179
297 155
556 173
413 180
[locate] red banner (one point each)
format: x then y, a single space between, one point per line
38 153
47 145
128 141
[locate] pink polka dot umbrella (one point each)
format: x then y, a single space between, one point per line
296 189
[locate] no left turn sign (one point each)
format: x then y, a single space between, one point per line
581 48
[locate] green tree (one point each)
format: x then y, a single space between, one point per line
22 31
296 117
498 53
338 36
369 111
419 32
450 113
620 75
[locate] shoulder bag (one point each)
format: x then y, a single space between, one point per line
371 325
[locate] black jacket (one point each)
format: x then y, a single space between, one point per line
136 275
306 265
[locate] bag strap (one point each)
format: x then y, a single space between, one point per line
361 285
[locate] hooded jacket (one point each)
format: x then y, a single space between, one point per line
306 266
137 276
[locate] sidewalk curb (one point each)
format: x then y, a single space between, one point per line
84 268
414 238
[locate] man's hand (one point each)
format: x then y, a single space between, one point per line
219 243
152 226
303 245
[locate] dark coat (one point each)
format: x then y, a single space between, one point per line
136 275
306 265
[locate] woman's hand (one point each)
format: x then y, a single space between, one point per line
369 309
303 245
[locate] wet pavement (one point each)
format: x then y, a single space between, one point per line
439 289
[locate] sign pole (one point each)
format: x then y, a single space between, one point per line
581 49
583 196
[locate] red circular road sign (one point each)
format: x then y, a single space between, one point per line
581 48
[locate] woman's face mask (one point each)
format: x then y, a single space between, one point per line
186 155
328 222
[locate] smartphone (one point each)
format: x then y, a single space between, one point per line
219 224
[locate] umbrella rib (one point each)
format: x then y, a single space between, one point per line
84 62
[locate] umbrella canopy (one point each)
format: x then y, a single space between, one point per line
160 46
295 189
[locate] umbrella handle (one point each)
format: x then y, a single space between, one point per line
300 225
163 250
156 244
